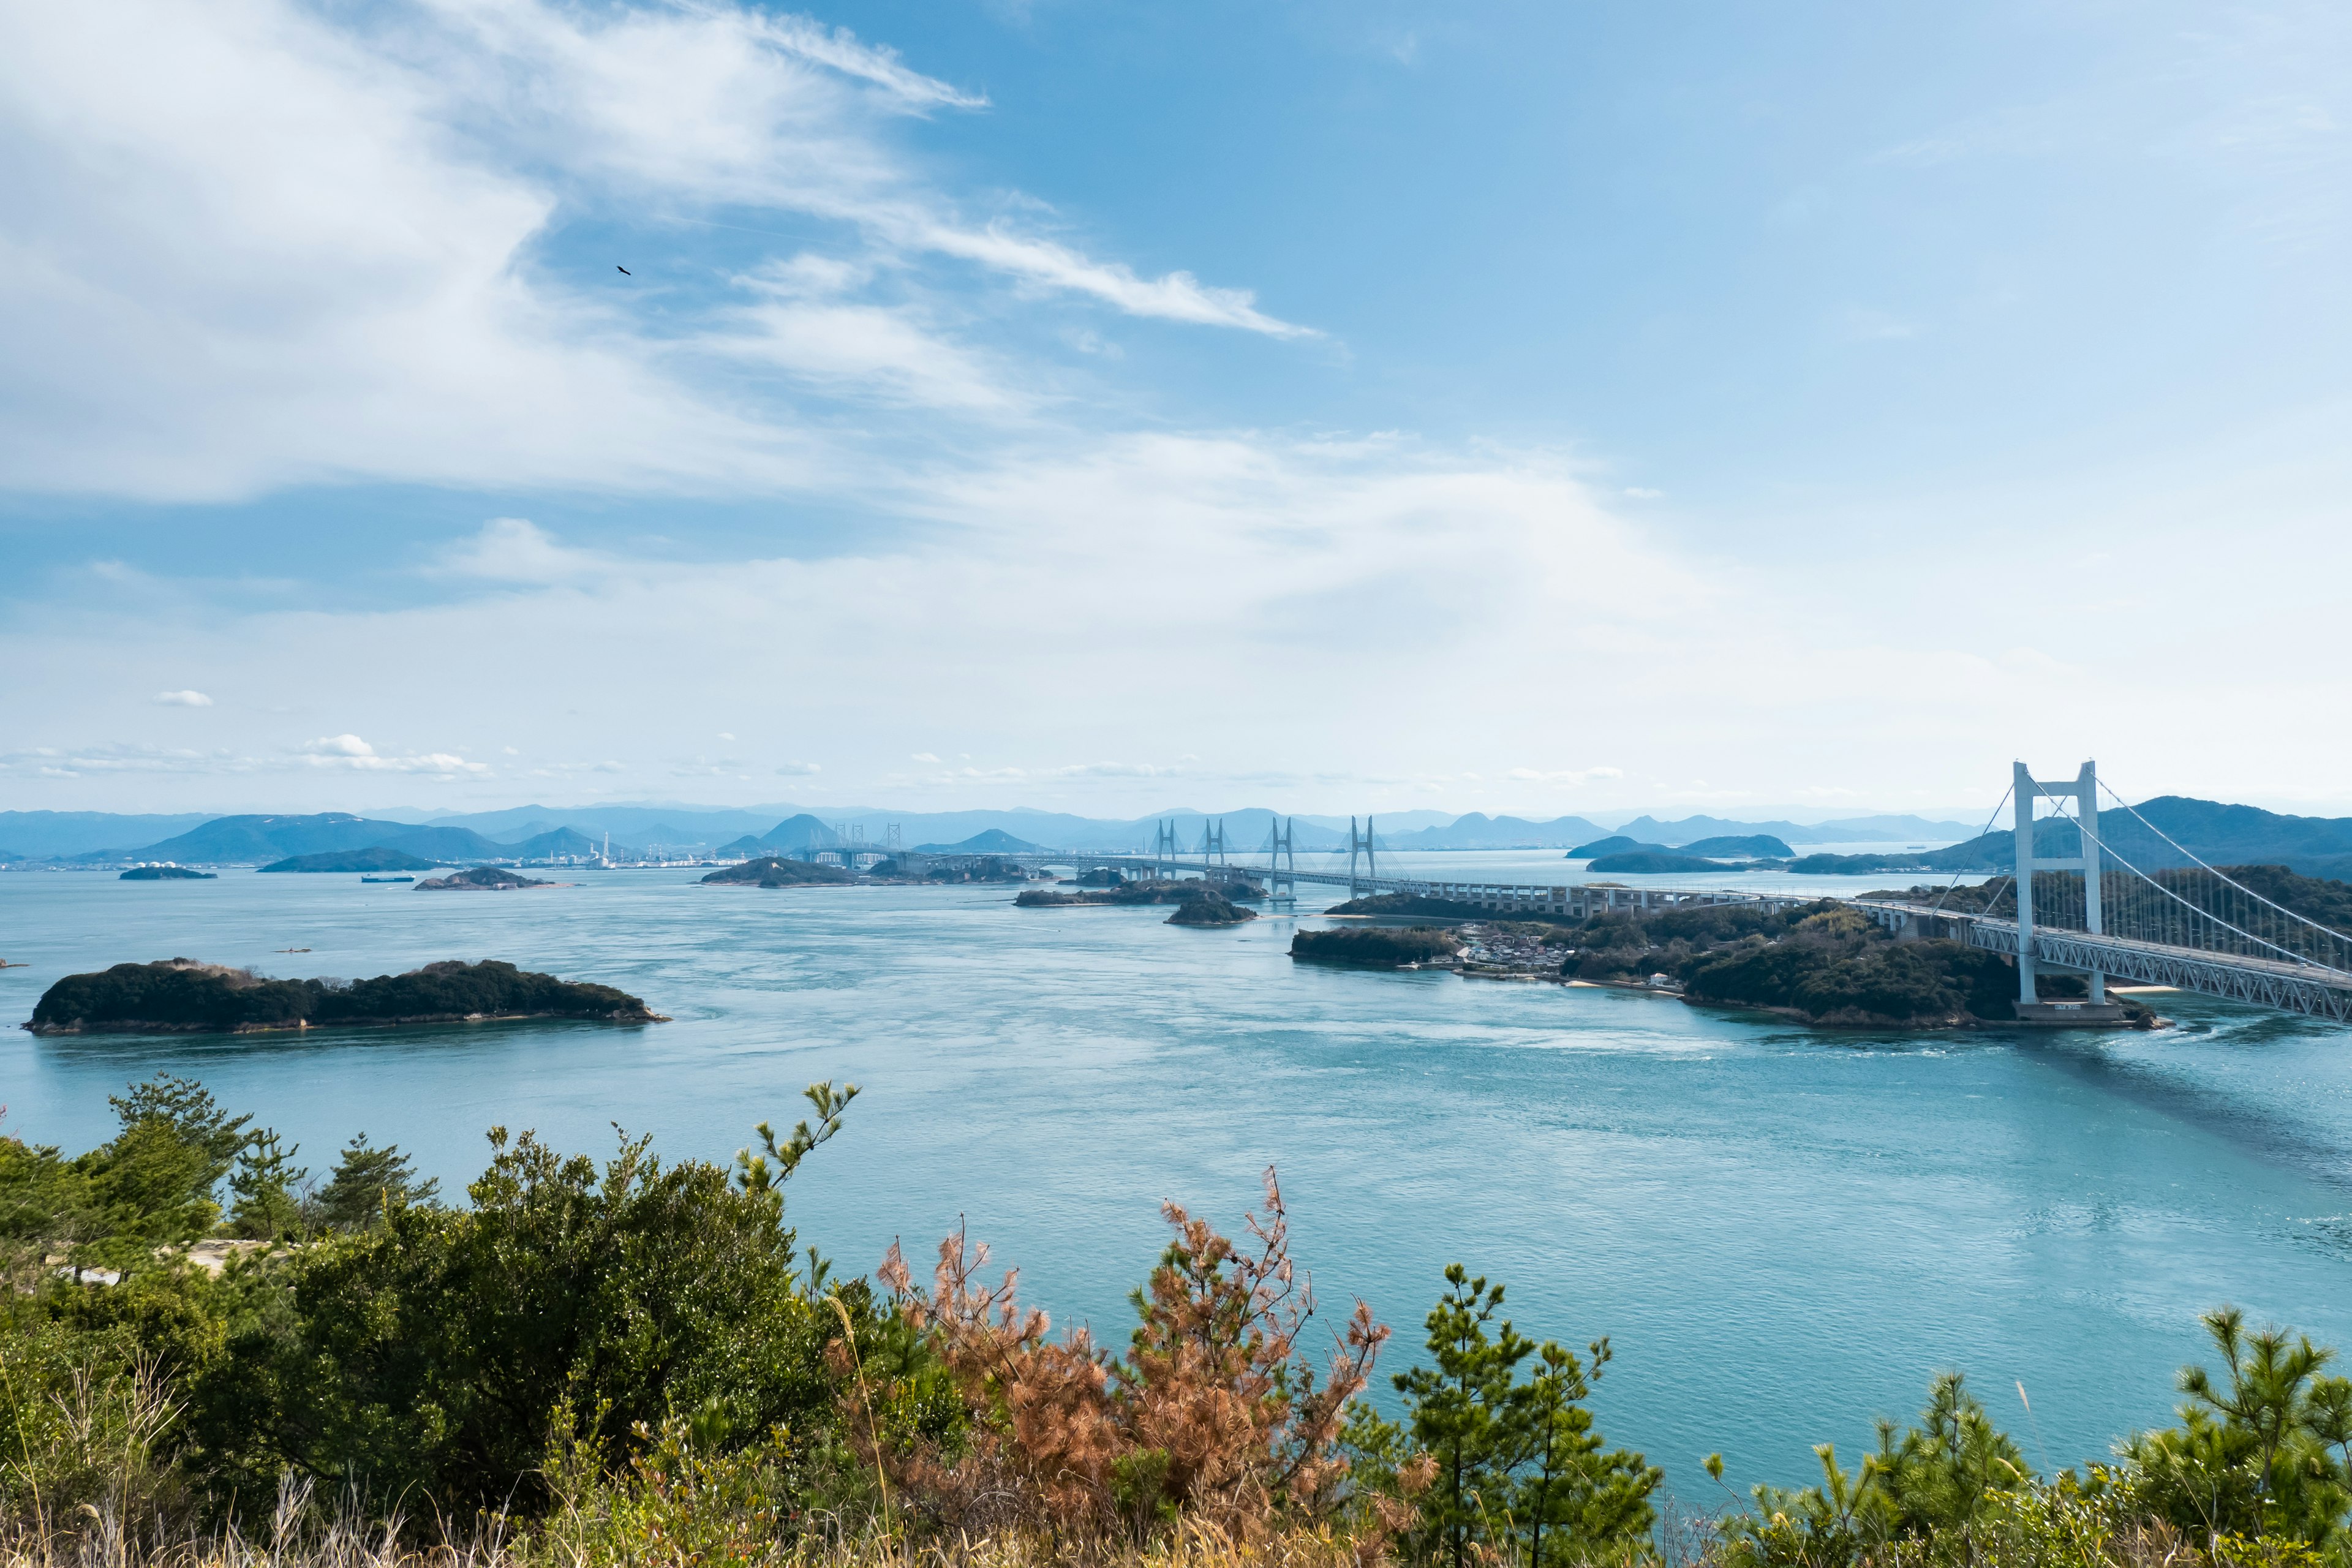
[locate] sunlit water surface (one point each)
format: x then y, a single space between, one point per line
1784 1231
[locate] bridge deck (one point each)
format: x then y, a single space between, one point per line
2309 988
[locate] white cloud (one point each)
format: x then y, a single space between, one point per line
1570 776
1110 771
924 757
350 752
724 735
1639 492
284 243
800 769
182 700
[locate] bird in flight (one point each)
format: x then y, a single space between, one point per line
623 270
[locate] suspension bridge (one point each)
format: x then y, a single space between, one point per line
2148 913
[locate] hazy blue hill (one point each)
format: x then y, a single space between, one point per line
1849 830
668 825
2217 833
447 844
563 841
1615 844
1478 831
993 841
259 839
1889 829
1691 829
378 857
39 834
1750 846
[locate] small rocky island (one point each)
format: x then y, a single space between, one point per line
1209 910
1377 947
181 995
165 874
773 871
481 878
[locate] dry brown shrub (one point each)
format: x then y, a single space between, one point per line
1212 1422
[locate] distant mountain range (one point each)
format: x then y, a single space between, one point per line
2166 831
2221 835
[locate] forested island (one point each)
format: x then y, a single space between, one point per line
1412 906
1822 963
481 879
165 874
182 995
1376 947
380 857
773 871
1658 863
1166 891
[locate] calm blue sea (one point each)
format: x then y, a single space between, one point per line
1785 1232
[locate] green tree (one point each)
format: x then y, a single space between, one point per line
1942 1474
1573 1495
152 1184
2252 1454
264 1185
368 1183
425 1354
1940 1480
188 1108
1467 1413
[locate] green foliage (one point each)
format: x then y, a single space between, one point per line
1518 1467
153 1183
428 1351
767 1171
1379 947
368 1184
2265 1450
1944 1478
268 1206
1831 977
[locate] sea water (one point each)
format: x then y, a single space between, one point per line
1783 1231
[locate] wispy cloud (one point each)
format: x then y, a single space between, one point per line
287 243
351 753
182 700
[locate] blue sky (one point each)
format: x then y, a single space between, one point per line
1506 407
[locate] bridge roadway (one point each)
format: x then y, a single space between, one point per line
2308 988
1574 900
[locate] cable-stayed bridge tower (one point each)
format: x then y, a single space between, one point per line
1282 862
1362 843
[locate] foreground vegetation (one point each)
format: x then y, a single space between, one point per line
181 994
629 1362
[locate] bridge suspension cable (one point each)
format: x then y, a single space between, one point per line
2195 906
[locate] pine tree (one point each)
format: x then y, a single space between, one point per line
1467 1413
1573 1495
367 1182
264 1185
